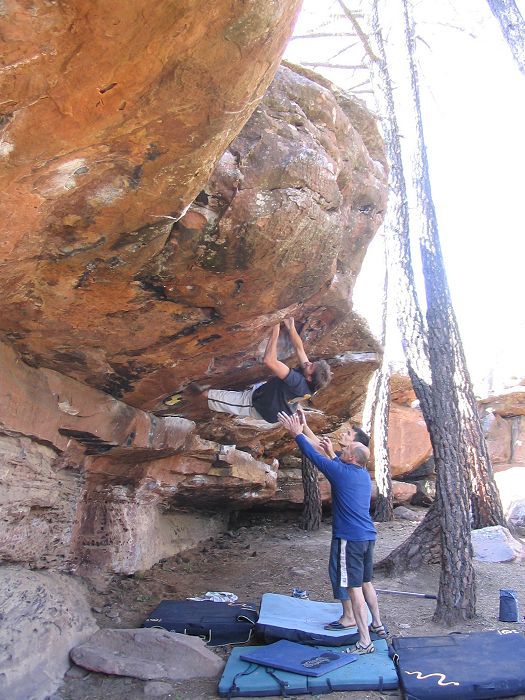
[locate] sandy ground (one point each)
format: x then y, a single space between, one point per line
273 555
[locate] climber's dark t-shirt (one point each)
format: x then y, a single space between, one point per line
273 396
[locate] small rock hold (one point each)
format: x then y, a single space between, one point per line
253 554
112 614
403 626
97 610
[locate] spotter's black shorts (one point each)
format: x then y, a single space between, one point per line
351 565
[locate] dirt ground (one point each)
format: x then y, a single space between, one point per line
273 555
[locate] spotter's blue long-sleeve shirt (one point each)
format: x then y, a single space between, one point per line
351 493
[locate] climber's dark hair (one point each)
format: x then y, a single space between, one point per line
322 375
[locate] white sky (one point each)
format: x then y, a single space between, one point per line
474 111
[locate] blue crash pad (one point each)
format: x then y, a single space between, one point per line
284 617
369 672
472 665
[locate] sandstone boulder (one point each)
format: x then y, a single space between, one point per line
290 491
498 436
515 515
425 470
43 615
403 513
133 294
401 391
518 439
136 299
408 439
496 544
510 402
150 654
137 103
402 491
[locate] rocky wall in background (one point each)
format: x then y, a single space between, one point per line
502 418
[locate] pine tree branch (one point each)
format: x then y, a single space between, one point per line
316 64
359 31
321 35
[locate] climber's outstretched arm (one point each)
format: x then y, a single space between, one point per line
270 356
296 341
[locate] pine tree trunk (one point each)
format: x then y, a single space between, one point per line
450 515
452 386
423 547
512 26
384 505
435 361
313 507
447 357
370 403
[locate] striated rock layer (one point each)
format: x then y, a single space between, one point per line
87 482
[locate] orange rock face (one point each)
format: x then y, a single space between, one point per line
280 228
113 116
408 439
507 404
498 436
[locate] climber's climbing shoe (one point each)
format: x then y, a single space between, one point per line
306 397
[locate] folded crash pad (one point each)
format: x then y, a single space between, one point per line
474 665
368 672
218 623
284 617
298 658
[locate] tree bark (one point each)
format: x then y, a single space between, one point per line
452 387
513 28
313 506
372 392
384 505
370 404
423 547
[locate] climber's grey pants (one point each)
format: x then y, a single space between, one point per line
237 403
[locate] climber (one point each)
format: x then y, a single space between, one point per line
282 392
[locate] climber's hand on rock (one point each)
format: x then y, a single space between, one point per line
289 323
